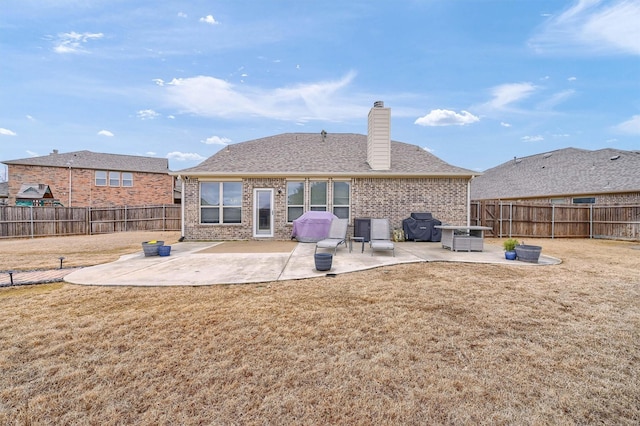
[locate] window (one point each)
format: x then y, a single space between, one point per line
101 178
341 197
584 200
318 196
295 200
114 178
127 179
221 202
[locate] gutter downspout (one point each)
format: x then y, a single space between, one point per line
469 201
181 207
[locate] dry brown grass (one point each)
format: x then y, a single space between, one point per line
43 253
434 343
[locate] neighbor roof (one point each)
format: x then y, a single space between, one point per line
568 171
4 189
33 191
97 161
312 154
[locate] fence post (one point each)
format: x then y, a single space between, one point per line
89 220
31 219
510 219
553 220
125 218
591 221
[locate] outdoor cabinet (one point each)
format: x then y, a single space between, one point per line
362 228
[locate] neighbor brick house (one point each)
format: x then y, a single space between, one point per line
256 189
566 176
90 179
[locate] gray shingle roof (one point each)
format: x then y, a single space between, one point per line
568 171
306 154
97 161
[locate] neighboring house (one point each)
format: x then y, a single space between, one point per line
4 193
256 189
36 194
90 179
566 176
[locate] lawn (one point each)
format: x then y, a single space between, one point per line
428 343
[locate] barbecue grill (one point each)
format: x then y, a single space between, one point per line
420 227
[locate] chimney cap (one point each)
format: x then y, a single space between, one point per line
378 104
55 151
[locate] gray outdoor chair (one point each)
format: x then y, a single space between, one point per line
380 232
337 235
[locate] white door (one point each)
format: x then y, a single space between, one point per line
263 212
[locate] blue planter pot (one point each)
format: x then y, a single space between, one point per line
510 255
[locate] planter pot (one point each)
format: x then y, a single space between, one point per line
526 253
151 249
164 250
510 255
323 261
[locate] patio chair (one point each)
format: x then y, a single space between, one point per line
380 232
337 235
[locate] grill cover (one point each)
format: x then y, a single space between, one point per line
420 227
312 226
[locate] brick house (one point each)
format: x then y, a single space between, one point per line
90 179
255 189
565 176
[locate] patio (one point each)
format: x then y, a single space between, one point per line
195 263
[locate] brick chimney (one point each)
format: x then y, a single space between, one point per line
379 137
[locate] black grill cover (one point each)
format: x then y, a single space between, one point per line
420 227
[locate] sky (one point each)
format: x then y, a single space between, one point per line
475 82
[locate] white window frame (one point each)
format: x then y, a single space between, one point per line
333 199
222 204
319 207
304 196
127 179
112 177
101 178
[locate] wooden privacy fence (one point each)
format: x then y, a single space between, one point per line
557 221
16 222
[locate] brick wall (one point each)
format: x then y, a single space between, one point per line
394 199
147 189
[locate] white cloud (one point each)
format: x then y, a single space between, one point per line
503 124
556 98
158 81
32 154
216 140
443 117
430 150
507 94
73 42
213 97
572 79
592 26
182 15
209 19
631 126
7 132
105 133
30 118
151 153
147 114
185 156
536 138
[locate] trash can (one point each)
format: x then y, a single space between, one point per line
323 261
164 250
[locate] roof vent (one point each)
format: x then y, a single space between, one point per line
615 157
378 104
324 135
547 155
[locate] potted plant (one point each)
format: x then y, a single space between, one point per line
510 248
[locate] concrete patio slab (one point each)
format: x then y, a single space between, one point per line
186 267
